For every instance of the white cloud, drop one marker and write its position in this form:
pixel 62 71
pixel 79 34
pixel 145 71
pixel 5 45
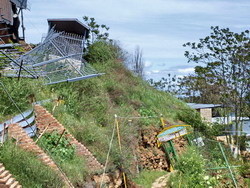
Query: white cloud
pixel 148 64
pixel 148 73
pixel 155 71
pixel 186 70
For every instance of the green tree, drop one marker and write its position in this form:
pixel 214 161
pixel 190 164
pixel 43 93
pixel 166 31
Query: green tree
pixel 200 87
pixel 170 83
pixel 225 57
pixel 97 32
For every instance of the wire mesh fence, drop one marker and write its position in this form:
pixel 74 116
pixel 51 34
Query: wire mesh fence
pixel 218 157
pixel 59 58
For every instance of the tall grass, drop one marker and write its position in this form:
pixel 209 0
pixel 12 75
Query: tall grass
pixel 26 168
pixel 23 92
pixel 90 105
pixel 146 178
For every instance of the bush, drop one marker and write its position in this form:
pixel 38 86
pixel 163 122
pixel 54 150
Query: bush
pixel 191 171
pixel 61 149
pixel 193 118
pixel 26 168
pixel 100 52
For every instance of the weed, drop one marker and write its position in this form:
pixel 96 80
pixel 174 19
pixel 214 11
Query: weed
pixel 64 154
pixel 191 171
pixel 58 146
pixel 146 177
pixel 26 168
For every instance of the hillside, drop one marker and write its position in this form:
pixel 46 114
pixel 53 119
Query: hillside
pixel 87 108
pixel 78 133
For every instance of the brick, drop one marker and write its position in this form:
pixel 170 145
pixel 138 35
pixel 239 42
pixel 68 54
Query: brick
pixel 44 119
pixel 5 179
pixel 4 174
pixel 10 181
pixel 14 184
pixel 16 132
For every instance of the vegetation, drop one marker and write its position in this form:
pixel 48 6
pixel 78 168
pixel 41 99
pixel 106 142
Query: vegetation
pixel 146 178
pixel 88 108
pixel 23 92
pixel 97 32
pixel 225 75
pixel 191 171
pixel 90 105
pixel 64 154
pixel 26 168
pixel 100 52
pixel 137 62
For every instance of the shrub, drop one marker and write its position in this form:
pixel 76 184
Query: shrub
pixel 58 146
pixel 100 52
pixel 191 171
pixel 191 117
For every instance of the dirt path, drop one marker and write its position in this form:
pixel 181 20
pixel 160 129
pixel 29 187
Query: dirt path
pixel 161 182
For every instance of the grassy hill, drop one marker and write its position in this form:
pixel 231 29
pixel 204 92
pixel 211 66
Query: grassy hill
pixel 88 107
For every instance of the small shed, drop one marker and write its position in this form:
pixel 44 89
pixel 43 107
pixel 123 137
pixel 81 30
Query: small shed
pixel 205 110
pixel 69 25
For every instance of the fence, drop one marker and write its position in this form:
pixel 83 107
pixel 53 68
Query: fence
pixel 218 157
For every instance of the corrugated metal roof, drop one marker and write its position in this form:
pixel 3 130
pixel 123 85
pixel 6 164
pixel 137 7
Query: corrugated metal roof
pixel 201 106
pixel 69 25
pixel 6 15
pixel 20 3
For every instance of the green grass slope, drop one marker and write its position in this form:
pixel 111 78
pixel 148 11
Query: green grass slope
pixel 88 107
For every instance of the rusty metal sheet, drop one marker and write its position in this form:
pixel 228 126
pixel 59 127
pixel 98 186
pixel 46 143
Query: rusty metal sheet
pixel 6 15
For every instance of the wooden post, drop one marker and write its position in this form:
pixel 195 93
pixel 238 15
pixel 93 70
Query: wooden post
pixel 120 147
pixel 42 133
pixel 60 138
pixel 162 121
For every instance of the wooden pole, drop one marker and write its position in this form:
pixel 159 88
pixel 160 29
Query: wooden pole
pixel 42 133
pixel 162 121
pixel 60 138
pixel 120 147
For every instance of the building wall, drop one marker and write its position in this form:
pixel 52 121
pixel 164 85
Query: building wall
pixel 6 15
pixel 206 113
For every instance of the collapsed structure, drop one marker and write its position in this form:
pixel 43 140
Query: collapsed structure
pixel 59 58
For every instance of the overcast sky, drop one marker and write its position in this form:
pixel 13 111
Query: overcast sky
pixel 159 27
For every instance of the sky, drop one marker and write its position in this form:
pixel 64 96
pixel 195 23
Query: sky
pixel 159 27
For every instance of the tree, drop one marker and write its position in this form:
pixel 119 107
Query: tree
pixel 169 84
pixel 97 32
pixel 225 56
pixel 200 87
pixel 138 62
